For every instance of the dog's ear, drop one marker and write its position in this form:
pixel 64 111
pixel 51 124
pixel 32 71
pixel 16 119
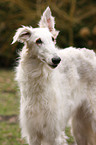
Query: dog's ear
pixel 22 34
pixel 47 20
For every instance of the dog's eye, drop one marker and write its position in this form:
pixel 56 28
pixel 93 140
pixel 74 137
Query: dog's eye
pixel 53 39
pixel 39 41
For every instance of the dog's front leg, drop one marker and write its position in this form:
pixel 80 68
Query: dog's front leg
pixel 61 140
pixel 34 141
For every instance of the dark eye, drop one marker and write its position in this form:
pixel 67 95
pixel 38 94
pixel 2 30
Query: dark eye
pixel 53 39
pixel 39 41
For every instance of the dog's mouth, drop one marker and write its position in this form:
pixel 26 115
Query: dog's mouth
pixel 53 65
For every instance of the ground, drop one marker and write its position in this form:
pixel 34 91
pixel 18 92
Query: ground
pixel 9 111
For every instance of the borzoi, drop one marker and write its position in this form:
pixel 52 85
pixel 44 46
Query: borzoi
pixel 55 85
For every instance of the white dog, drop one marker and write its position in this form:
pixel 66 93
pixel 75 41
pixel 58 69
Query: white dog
pixel 55 85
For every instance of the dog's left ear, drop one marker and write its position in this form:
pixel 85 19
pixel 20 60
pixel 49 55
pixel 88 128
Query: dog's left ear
pixel 47 20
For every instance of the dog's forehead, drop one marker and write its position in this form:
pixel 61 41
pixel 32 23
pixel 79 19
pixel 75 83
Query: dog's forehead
pixel 41 32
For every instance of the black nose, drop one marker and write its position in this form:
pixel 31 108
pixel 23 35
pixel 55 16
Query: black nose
pixel 56 60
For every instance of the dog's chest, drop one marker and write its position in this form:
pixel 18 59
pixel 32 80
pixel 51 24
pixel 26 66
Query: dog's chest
pixel 40 104
pixel 41 113
pixel 42 109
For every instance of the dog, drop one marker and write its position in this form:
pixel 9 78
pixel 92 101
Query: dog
pixel 55 85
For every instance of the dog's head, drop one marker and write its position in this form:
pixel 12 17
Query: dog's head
pixel 41 41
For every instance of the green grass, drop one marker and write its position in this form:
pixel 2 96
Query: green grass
pixel 10 134
pixel 9 105
pixel 9 100
pixel 70 140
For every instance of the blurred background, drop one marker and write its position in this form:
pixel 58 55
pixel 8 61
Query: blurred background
pixel 76 20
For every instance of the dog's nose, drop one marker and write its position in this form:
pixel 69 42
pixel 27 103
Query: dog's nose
pixel 56 60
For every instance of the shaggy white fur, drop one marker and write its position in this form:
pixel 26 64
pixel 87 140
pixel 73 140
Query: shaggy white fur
pixel 52 91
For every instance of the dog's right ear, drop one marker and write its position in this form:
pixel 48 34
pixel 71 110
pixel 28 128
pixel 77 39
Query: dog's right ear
pixel 47 21
pixel 22 34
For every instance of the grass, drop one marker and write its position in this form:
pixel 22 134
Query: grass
pixel 9 100
pixel 10 134
pixel 9 107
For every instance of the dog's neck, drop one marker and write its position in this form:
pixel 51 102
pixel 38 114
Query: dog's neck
pixel 33 67
pixel 37 74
